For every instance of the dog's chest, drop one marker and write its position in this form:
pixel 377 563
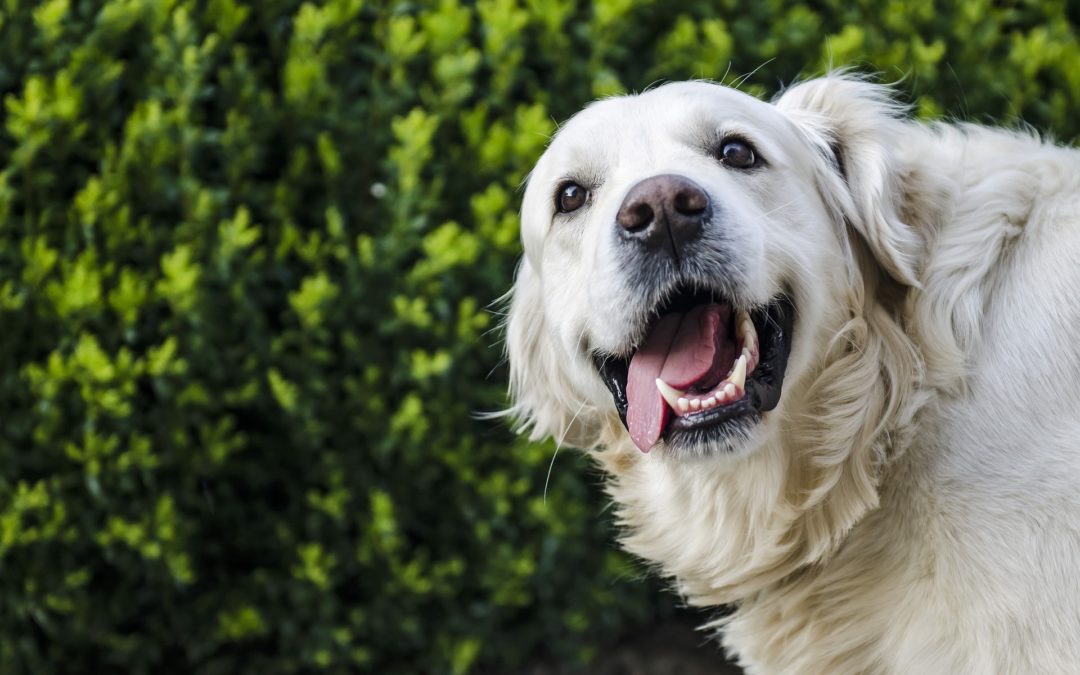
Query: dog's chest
pixel 928 590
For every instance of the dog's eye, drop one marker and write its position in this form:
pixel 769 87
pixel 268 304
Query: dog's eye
pixel 571 197
pixel 737 154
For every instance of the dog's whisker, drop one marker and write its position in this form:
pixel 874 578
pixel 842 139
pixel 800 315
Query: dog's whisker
pixel 498 364
pixel 558 446
pixel 742 80
pixel 778 208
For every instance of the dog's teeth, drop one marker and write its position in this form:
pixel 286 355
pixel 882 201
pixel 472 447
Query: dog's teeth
pixel 684 405
pixel 747 336
pixel 738 373
pixel 695 404
pixel 670 393
pixel 730 392
pixel 751 360
pixel 745 331
pixel 709 402
pixel 751 339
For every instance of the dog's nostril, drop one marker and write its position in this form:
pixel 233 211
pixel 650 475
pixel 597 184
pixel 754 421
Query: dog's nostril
pixel 691 201
pixel 663 213
pixel 635 216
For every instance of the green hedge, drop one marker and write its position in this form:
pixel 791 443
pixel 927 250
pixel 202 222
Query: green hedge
pixel 247 251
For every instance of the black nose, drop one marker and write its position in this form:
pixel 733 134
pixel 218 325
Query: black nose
pixel 663 213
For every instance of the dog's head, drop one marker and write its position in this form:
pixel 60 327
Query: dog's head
pixel 718 281
pixel 690 251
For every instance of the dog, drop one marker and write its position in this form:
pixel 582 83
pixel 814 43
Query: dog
pixel 828 358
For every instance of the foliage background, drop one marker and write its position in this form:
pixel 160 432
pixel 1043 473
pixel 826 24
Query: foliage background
pixel 246 255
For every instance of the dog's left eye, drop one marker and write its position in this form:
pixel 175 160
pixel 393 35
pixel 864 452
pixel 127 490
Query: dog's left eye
pixel 571 197
pixel 737 154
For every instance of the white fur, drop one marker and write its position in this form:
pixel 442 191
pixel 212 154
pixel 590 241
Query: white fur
pixel 913 503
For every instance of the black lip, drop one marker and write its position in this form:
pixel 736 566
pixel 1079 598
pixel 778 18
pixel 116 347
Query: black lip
pixel 774 324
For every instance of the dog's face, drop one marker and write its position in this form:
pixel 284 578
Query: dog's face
pixel 687 254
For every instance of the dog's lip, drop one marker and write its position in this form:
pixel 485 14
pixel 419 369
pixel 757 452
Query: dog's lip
pixel 714 417
pixel 774 323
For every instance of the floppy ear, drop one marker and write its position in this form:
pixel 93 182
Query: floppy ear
pixel 856 125
pixel 543 402
pixel 864 395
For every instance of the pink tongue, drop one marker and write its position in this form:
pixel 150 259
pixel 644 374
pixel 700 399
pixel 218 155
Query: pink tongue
pixel 682 349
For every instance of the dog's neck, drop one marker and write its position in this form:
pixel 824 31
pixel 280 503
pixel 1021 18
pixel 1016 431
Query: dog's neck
pixel 746 532
pixel 728 530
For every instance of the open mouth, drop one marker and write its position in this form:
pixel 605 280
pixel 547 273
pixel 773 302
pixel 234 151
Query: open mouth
pixel 705 369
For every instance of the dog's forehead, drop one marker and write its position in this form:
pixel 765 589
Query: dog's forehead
pixel 619 140
pixel 680 111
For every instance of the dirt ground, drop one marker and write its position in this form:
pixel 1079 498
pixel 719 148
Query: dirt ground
pixel 670 649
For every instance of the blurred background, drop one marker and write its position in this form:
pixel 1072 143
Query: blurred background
pixel 249 252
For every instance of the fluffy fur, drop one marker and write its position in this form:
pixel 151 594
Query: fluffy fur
pixel 913 503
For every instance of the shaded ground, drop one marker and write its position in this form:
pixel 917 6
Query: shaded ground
pixel 673 648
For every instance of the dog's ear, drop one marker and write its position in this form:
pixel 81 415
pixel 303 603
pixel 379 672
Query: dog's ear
pixel 855 125
pixel 542 398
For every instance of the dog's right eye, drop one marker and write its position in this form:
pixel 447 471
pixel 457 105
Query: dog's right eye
pixel 571 197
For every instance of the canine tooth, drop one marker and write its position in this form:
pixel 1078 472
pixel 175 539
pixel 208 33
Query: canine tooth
pixel 695 404
pixel 746 332
pixel 738 373
pixel 751 362
pixel 684 405
pixel 730 391
pixel 751 333
pixel 670 393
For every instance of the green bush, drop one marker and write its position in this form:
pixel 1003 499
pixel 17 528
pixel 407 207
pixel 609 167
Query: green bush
pixel 246 255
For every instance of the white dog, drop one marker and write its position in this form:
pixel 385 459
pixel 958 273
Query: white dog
pixel 830 359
